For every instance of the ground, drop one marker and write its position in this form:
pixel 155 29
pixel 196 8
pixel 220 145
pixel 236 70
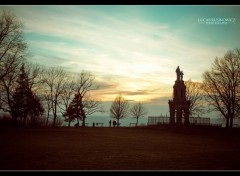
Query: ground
pixel 104 148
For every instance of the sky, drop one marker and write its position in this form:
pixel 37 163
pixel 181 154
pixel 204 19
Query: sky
pixel 131 49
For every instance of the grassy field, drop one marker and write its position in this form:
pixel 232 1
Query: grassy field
pixel 103 148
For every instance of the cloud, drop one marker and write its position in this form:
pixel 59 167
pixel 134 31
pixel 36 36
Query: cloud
pixel 161 100
pixel 129 41
pixel 128 55
pixel 103 85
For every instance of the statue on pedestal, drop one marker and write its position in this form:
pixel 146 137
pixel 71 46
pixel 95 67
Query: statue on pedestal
pixel 181 75
pixel 179 106
pixel 178 73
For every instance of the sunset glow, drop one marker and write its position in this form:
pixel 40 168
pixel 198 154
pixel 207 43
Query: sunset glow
pixel 133 50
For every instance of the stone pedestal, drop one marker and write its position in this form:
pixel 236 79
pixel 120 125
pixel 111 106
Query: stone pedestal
pixel 179 106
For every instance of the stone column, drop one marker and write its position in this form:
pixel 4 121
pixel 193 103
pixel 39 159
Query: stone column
pixel 172 116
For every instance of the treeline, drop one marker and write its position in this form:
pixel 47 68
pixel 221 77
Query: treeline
pixel 28 90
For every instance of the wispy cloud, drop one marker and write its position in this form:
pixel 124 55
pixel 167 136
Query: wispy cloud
pixel 137 56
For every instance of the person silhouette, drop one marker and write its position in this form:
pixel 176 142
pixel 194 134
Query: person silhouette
pixel 110 123
pixel 114 123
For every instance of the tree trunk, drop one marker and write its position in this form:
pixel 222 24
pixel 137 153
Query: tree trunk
pixel 55 114
pixel 83 117
pixel 83 123
pixel 227 122
pixel 47 118
pixel 69 122
pixel 117 122
pixel 231 121
pixel 54 120
pixel 137 122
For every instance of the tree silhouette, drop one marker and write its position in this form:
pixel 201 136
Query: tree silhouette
pixel 88 104
pixel 47 104
pixel 138 111
pixel 74 110
pixel 12 52
pixel 35 74
pixel 194 93
pixel 69 116
pixel 12 45
pixel 222 84
pixel 65 97
pixel 25 102
pixel 119 108
pixel 54 79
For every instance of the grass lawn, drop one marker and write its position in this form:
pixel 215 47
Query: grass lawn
pixel 104 148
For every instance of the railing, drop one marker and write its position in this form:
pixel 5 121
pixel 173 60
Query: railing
pixel 134 124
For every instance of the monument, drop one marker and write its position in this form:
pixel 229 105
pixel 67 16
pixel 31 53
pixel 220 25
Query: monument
pixel 179 105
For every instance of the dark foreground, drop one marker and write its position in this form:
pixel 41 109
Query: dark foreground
pixel 119 149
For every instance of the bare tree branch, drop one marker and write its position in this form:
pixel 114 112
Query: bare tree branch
pixel 54 80
pixel 194 93
pixel 84 101
pixel 138 111
pixel 119 108
pixel 12 45
pixel 222 84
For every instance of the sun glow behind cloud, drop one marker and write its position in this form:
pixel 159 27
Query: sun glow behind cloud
pixel 129 51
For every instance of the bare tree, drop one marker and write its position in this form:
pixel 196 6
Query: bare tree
pixel 119 108
pixel 54 79
pixel 8 83
pixel 238 102
pixel 37 82
pixel 88 103
pixel 194 93
pixel 65 97
pixel 138 110
pixel 221 84
pixel 25 102
pixel 1 95
pixel 12 53
pixel 8 86
pixel 48 103
pixel 12 45
pixel 35 74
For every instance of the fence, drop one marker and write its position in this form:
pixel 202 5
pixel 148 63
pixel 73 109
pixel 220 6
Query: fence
pixel 157 120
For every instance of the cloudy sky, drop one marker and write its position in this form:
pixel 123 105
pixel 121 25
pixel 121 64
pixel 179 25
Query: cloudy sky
pixel 131 49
